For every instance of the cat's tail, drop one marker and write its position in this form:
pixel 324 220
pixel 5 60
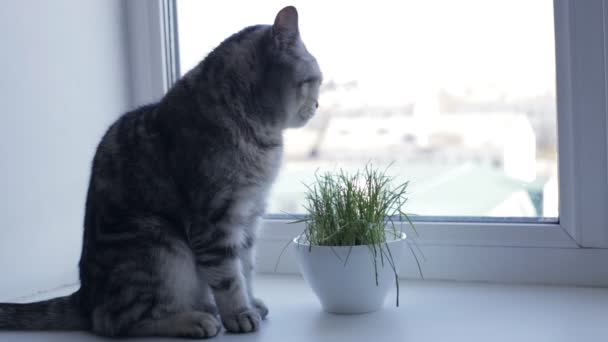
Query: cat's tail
pixel 62 313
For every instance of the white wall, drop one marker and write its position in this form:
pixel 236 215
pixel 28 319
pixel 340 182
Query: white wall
pixel 63 79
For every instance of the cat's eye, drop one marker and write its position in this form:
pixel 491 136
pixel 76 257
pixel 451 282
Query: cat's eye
pixel 308 80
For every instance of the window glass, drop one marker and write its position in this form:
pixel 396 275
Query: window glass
pixel 458 95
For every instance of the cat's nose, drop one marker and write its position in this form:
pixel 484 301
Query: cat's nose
pixel 316 104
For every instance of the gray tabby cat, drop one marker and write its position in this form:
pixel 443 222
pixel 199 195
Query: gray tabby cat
pixel 177 191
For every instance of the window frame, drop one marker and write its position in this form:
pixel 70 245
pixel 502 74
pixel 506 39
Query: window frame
pixel 572 251
pixel 153 48
pixel 581 60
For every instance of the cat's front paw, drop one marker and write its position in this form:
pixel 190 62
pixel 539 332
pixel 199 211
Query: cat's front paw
pixel 259 305
pixel 243 322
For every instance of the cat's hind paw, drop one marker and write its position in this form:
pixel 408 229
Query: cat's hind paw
pixel 244 322
pixel 200 325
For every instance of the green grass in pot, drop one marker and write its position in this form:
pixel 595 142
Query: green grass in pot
pixel 357 209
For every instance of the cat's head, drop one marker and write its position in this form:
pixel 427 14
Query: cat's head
pixel 293 74
pixel 267 70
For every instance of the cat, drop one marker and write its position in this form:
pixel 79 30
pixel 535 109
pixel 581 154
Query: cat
pixel 176 194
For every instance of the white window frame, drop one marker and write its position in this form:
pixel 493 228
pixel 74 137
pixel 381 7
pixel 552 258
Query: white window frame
pixel 153 55
pixel 573 251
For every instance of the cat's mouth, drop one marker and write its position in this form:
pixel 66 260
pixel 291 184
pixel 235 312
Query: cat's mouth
pixel 307 114
pixel 302 118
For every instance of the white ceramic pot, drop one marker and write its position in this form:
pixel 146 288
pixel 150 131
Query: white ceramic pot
pixel 345 282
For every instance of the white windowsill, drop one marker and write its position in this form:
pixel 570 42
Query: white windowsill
pixel 429 311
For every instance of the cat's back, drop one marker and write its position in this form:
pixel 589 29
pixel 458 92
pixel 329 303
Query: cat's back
pixel 130 164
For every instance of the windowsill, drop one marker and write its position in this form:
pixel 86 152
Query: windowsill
pixel 429 311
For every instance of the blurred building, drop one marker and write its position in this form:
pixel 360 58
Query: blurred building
pixel 503 140
pixel 460 162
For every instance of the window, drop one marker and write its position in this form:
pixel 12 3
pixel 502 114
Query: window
pixel 565 247
pixel 458 95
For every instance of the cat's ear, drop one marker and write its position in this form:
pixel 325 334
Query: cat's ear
pixel 285 28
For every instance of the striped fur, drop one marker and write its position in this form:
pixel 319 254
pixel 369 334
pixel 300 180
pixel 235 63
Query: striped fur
pixel 176 194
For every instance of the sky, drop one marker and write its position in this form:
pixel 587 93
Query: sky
pixel 399 50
